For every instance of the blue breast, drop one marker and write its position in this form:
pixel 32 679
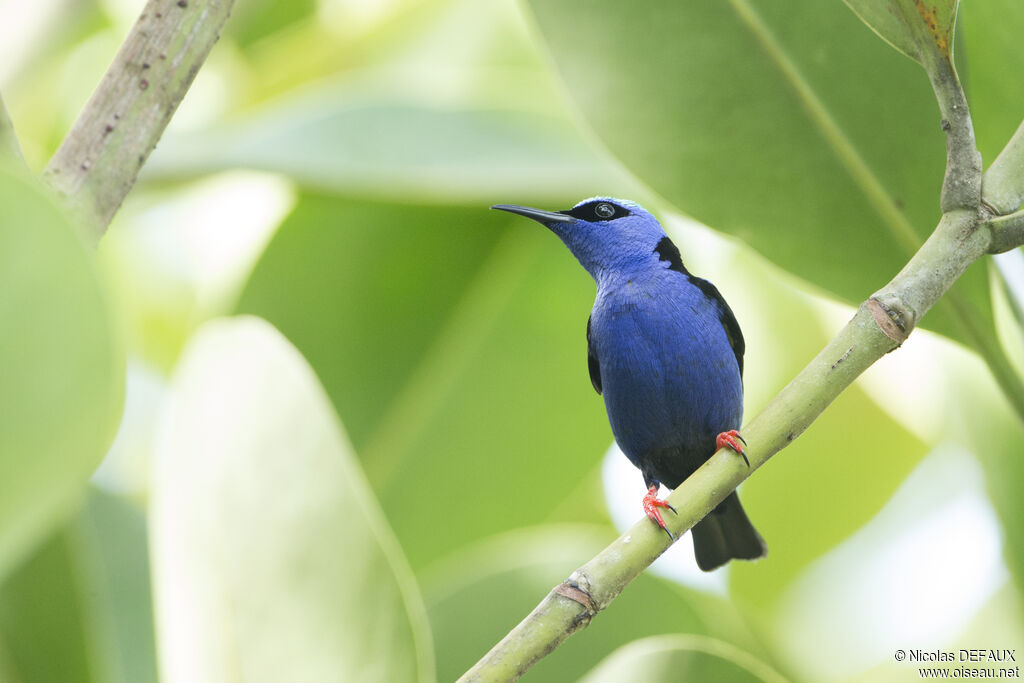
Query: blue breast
pixel 671 381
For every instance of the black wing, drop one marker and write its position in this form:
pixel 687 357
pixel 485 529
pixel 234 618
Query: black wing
pixel 668 252
pixel 592 364
pixel 726 316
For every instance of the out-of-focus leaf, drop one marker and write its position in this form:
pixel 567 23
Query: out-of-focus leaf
pixel 117 531
pixel 255 19
pixel 272 561
pixel 841 473
pixel 980 419
pixel 79 608
pixel 62 374
pixel 340 139
pixel 785 123
pixel 495 583
pixel 992 31
pixel 890 19
pixel 681 658
pixel 361 288
pixel 442 336
pixel 944 394
pixel 44 635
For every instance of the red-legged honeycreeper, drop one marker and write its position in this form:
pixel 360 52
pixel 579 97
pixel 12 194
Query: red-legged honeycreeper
pixel 666 352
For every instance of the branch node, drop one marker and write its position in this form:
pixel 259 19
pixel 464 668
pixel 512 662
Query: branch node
pixel 890 320
pixel 571 590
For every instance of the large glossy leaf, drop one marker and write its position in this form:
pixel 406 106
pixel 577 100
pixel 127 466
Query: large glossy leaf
pixel 452 340
pixel 942 393
pixel 272 561
pixel 991 33
pixel 681 658
pixel 338 137
pixel 78 608
pixel 788 124
pixel 892 21
pixel 62 373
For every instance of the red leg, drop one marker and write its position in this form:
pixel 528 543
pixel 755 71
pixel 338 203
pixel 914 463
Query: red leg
pixel 732 439
pixel 651 505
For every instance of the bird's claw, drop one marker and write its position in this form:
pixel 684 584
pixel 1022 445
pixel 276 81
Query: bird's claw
pixel 651 504
pixel 732 440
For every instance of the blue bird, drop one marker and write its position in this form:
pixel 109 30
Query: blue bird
pixel 665 351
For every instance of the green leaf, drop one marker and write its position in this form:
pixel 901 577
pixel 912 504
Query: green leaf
pixel 784 123
pixel 894 21
pixel 841 473
pixel 452 340
pixel 40 611
pixel 256 19
pixel 63 374
pixel 354 140
pixel 272 561
pixel 681 658
pixel 363 294
pixel 979 419
pixel 78 609
pixel 991 31
pixel 116 530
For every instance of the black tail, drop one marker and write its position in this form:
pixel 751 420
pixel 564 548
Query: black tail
pixel 726 534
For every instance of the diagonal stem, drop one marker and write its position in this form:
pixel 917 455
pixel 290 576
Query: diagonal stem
pixel 98 162
pixel 1003 183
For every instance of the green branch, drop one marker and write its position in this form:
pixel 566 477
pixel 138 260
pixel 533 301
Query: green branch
pixel 1007 232
pixel 961 186
pixel 1003 184
pixel 880 325
pixel 99 160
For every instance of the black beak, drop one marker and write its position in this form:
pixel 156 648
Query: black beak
pixel 539 215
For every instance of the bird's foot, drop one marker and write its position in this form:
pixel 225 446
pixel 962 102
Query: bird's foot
pixel 732 439
pixel 651 505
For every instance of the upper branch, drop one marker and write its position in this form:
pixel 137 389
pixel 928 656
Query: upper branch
pixel 1003 185
pixel 1007 232
pixel 961 187
pixel 1003 193
pixel 99 160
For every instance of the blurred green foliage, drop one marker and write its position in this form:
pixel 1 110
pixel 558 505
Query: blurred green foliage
pixel 449 340
pixel 263 525
pixel 61 392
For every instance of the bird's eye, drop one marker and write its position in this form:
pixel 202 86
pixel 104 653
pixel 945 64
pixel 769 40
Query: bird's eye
pixel 604 210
